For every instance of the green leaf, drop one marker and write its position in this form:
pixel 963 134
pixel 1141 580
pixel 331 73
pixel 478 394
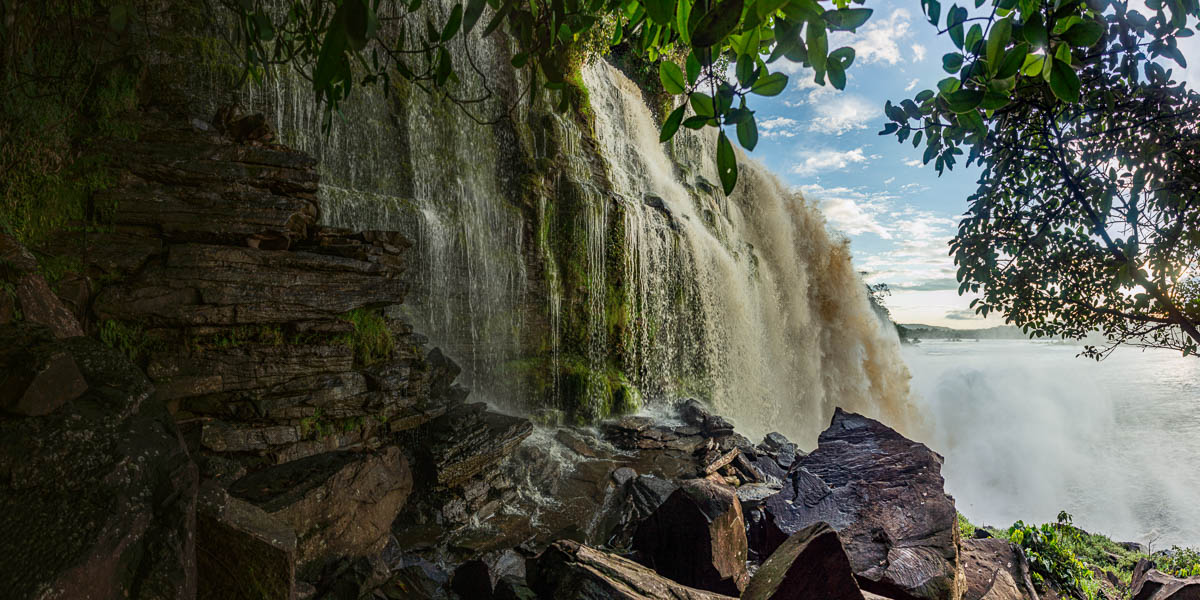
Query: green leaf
pixel 474 11
pixel 770 85
pixel 744 69
pixel 844 56
pixel 671 77
pixel 329 62
pixel 747 132
pixel 445 67
pixel 1064 82
pixel 818 46
pixel 1084 34
pixel 974 37
pixel 717 23
pixel 671 125
pixel 766 8
pixel 1035 32
pixel 954 21
pixel 696 122
pixel 683 14
pixel 963 100
pixel 356 22
pixel 1014 59
pixel 702 104
pixel 998 39
pixel 453 23
pixel 118 17
pixel 660 11
pixel 726 163
pixel 693 68
pixel 952 62
pixel 1033 65
pixel 500 15
pixel 837 75
pixel 266 30
pixel 949 84
pixel 846 19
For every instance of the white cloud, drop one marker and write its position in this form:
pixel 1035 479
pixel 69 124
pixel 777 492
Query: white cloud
pixel 842 113
pixel 918 52
pixel 916 162
pixel 878 40
pixel 889 180
pixel 778 127
pixel 851 211
pixel 812 162
pixel 912 85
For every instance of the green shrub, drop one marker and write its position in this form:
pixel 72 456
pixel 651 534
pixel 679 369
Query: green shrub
pixel 372 339
pixel 1051 561
pixel 128 339
pixel 965 529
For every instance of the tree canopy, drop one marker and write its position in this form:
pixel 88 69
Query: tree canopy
pixel 1087 211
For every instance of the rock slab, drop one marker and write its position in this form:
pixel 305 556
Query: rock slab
pixel 884 495
pixel 697 537
pixel 811 564
pixel 571 570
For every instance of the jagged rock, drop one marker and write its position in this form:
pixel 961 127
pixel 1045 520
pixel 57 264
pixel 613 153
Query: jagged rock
pixel 31 297
pixel 697 537
pixel 416 579
pixel 624 475
pixel 469 439
pixel 194 186
pixel 341 504
pixel 513 588
pixel 577 442
pixel 571 570
pixel 995 571
pixel 884 495
pixel 810 564
pixel 472 580
pixel 37 374
pixel 1151 584
pixel 241 551
pixel 97 499
pixel 207 285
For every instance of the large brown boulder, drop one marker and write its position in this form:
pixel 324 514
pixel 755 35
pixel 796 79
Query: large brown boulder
pixel 811 564
pixel 97 499
pixel 1151 584
pixel 884 495
pixel 31 298
pixel 37 373
pixel 571 570
pixel 340 504
pixel 697 537
pixel 242 553
pixel 995 571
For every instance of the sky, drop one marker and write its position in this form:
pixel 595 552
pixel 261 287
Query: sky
pixel 898 214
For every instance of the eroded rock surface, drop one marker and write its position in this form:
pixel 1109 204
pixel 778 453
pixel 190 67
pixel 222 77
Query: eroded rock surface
pixel 884 495
pixel 571 570
pixel 1151 584
pixel 995 571
pixel 697 537
pixel 97 498
pixel 810 564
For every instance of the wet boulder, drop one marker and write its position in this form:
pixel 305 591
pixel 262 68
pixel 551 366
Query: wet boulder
pixel 810 564
pixel 97 499
pixel 1151 584
pixel 884 495
pixel 995 571
pixel 241 551
pixel 37 374
pixel 697 537
pixel 340 504
pixel 568 569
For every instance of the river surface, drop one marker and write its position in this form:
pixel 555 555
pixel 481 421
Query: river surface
pixel 1028 429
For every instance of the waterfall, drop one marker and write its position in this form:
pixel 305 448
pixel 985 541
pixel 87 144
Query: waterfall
pixel 572 262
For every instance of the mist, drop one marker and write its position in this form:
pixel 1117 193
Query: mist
pixel 1027 429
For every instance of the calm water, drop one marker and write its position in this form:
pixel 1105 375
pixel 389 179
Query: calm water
pixel 1028 430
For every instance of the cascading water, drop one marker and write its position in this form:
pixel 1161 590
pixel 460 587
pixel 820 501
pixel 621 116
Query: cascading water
pixel 573 261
